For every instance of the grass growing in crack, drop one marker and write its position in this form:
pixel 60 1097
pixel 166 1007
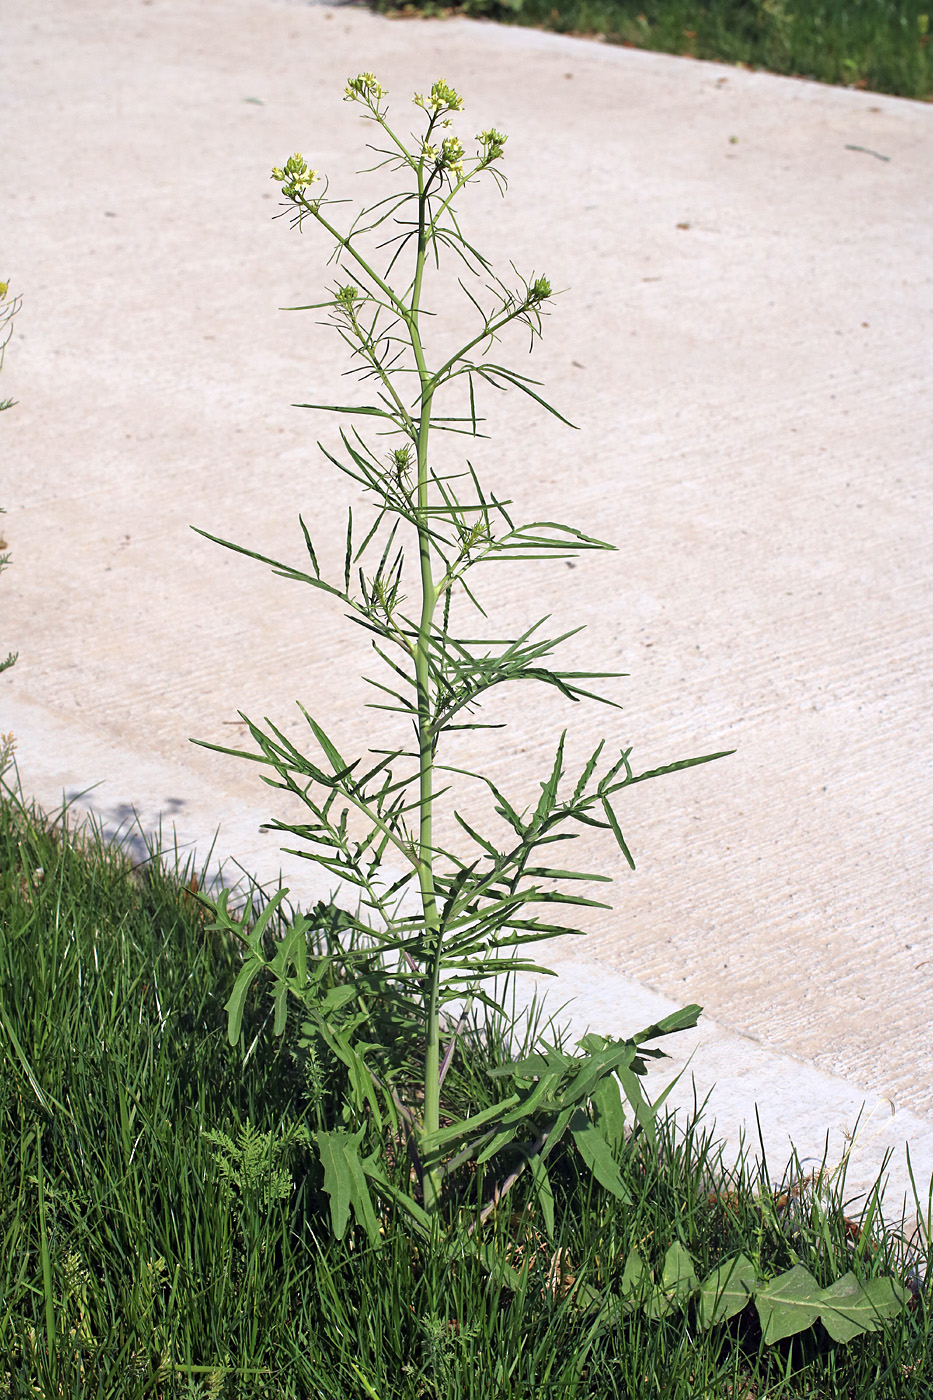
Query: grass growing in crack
pixel 141 1257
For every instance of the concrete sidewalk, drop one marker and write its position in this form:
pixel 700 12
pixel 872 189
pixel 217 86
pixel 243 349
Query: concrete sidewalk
pixel 745 344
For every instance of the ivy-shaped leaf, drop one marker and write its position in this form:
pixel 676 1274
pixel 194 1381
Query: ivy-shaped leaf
pixel 793 1301
pixel 726 1291
pixel 789 1304
pixel 634 1277
pixel 678 1282
pixel 848 1308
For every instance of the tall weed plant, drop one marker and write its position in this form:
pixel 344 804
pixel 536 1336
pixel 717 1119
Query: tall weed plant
pixel 435 927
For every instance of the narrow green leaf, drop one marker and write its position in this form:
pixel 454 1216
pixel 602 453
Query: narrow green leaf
pixel 610 1114
pixel 549 788
pixel 345 408
pixel 301 950
pixel 556 1131
pixel 353 1056
pixel 432 1142
pixel 363 1380
pixel 547 872
pixel 235 1004
pixel 726 1291
pixel 45 1253
pixel 683 1020
pixel 588 771
pixel 679 766
pixel 496 1266
pixel 334 756
pixel 542 1185
pixel 269 908
pixel 27 1068
pixel 417 1214
pixel 595 1152
pixel 282 570
pixel 501 1139
pixel 474 836
pixel 552 1061
pixel 617 832
pixel 287 951
pixel 310 547
pixel 642 1109
pixel 280 1004
pixel 678 1282
pixel 545 1087
pixel 613 1057
pixel 337 997
pixel 359 1191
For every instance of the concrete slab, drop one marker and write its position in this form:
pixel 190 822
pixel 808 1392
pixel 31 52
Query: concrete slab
pixel 744 344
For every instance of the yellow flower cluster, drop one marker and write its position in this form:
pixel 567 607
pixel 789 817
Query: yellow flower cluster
pixel 493 144
pixel 295 176
pixel 366 86
pixel 442 99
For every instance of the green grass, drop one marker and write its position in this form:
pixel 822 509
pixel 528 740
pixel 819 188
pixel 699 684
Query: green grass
pixel 882 45
pixel 133 1265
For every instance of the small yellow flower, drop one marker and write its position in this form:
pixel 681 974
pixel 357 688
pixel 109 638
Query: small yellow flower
pixel 444 96
pixel 493 144
pixel 442 99
pixel 295 177
pixel 451 157
pixel 366 87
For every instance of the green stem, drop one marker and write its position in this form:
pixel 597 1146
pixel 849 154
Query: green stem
pixel 429 596
pixel 345 242
pixel 366 341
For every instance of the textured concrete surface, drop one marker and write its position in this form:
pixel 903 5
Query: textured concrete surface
pixel 744 342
